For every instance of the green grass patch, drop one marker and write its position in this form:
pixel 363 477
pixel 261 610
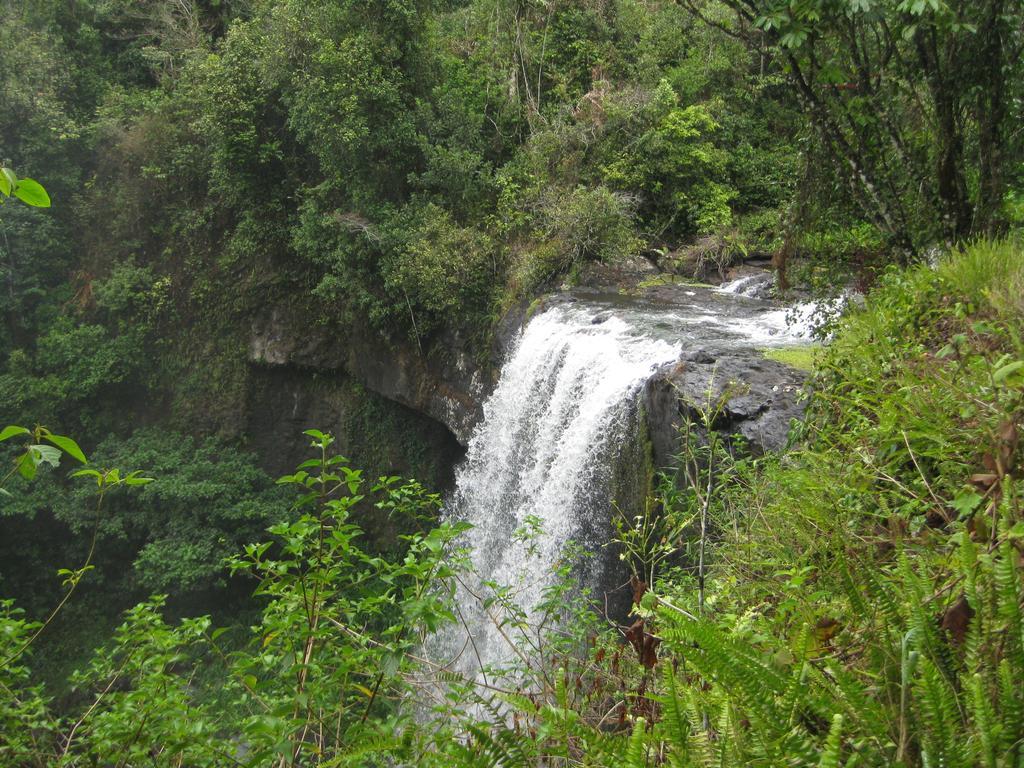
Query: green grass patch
pixel 801 357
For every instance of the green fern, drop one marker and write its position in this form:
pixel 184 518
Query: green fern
pixel 1008 597
pixel 1011 712
pixel 636 753
pixel 938 717
pixel 861 708
pixel 984 721
pixel 833 744
pixel 674 727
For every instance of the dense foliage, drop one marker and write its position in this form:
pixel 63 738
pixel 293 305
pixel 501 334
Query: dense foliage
pixel 400 173
pixel 857 601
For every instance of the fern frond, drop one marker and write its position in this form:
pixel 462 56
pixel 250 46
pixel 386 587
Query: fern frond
pixel 700 749
pixel 938 717
pixel 833 744
pixel 984 720
pixel 1011 713
pixel 733 664
pixel 496 750
pixel 636 753
pixel 861 707
pixel 674 726
pixel 1008 600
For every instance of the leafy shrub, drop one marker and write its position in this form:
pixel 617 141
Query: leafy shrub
pixel 125 289
pixel 586 224
pixel 72 364
pixel 859 245
pixel 316 679
pixel 24 713
pixel 591 225
pixel 676 169
pixel 440 268
pixel 209 500
pixel 172 535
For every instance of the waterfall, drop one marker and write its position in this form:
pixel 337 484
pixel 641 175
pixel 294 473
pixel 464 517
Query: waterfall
pixel 753 286
pixel 541 458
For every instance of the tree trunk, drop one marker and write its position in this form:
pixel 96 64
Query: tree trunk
pixel 991 115
pixel 954 202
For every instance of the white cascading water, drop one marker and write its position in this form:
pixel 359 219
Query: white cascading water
pixel 539 458
pixel 749 285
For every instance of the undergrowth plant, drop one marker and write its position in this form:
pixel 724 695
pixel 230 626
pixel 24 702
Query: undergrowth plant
pixel 319 679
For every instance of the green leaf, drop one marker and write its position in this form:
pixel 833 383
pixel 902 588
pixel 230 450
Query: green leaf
pixel 966 502
pixel 32 193
pixel 45 454
pixel 67 445
pixel 10 180
pixel 26 466
pixel 1006 371
pixel 10 431
pixel 97 476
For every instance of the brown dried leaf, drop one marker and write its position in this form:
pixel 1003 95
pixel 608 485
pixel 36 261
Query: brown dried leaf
pixel 639 587
pixel 645 644
pixel 826 628
pixel 984 480
pixel 957 619
pixel 1008 444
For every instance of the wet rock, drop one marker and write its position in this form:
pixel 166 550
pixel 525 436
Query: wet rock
pixel 698 356
pixel 760 401
pixel 751 282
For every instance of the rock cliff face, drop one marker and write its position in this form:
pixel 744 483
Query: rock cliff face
pixel 443 390
pixel 447 385
pixel 378 435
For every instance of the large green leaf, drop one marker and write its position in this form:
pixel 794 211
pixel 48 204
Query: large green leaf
pixel 27 465
pixel 10 431
pixel 8 180
pixel 67 445
pixel 32 193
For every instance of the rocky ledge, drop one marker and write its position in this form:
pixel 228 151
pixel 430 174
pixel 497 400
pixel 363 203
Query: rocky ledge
pixel 721 335
pixel 446 384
